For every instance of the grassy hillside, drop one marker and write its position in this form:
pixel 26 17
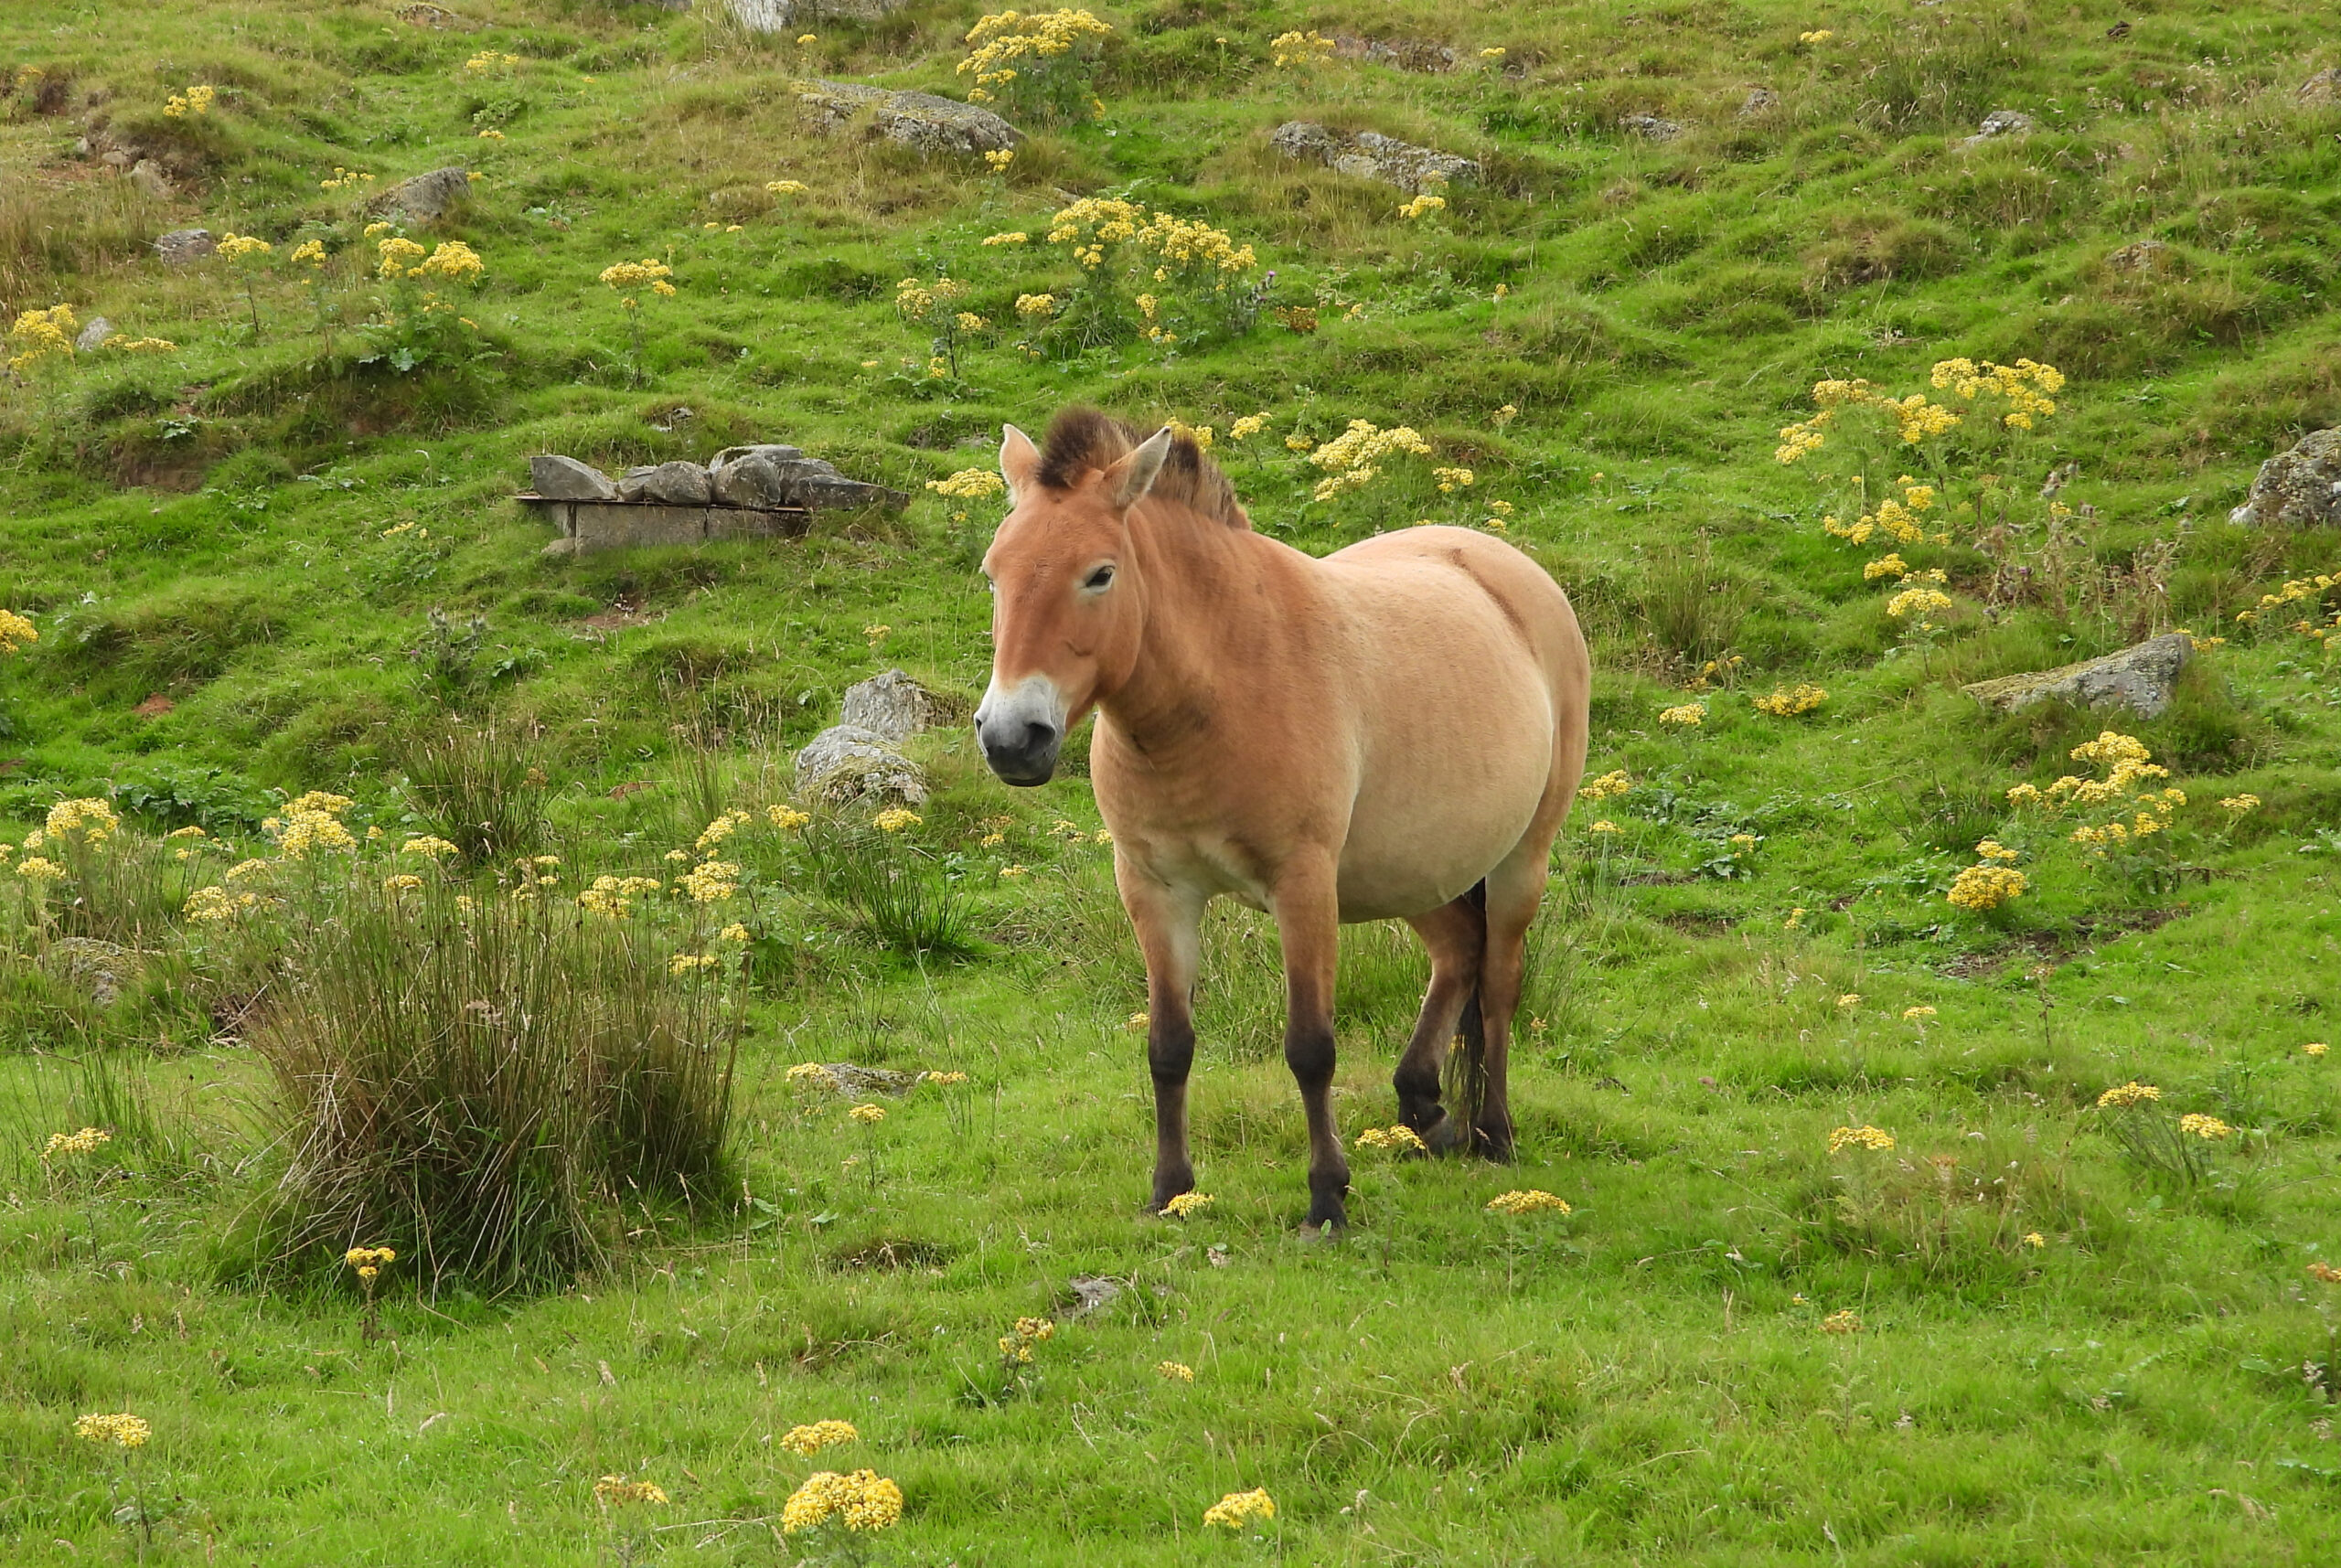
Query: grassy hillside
pixel 272 550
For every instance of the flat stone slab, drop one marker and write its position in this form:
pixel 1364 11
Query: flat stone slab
pixel 1371 155
pixel 920 121
pixel 588 528
pixel 2142 677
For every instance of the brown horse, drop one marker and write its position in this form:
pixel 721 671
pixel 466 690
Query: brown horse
pixel 1394 731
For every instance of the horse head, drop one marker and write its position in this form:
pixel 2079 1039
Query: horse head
pixel 1066 612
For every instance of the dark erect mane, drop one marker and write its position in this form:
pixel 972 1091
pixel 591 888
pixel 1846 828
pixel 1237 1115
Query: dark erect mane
pixel 1082 439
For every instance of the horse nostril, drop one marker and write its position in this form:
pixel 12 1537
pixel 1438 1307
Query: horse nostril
pixel 1038 738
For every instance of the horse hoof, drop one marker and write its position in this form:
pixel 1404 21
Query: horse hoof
pixel 1444 1135
pixel 1333 1229
pixel 1493 1145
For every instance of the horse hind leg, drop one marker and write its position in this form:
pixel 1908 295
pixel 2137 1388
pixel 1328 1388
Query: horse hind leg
pixel 1515 890
pixel 1455 933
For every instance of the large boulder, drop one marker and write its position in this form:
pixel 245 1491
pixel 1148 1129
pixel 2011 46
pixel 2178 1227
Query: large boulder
pixel 2300 488
pixel 93 336
pixel 559 479
pixel 1371 155
pixel 920 121
pixel 847 762
pixel 669 484
pixel 2141 678
pixel 425 198
pixel 893 706
pixel 790 16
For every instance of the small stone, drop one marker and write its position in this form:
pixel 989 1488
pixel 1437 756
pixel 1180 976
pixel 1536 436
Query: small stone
pixel 566 479
pixel 152 182
pixel 1760 100
pixel 2300 488
pixel 184 247
pixel 893 707
pixel 1650 127
pixel 423 15
pixel 2141 256
pixel 1370 156
pixel 115 158
pixel 1402 54
pixel 2142 677
pixel 920 121
pixel 1092 1292
pixel 427 198
pixel 93 336
pixel 2002 122
pixel 847 762
pixel 2325 87
pixel 672 484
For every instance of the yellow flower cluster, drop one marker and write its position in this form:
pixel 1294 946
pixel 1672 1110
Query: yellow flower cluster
pixel 810 1440
pixel 970 484
pixel 1993 849
pixel 2121 1096
pixel 1841 1322
pixel 2026 387
pixel 865 1501
pixel 122 1431
pixel 1187 1205
pixel 1689 715
pixel 917 302
pixel 1923 603
pixel 811 1076
pixel 1875 1138
pixel 1886 566
pixel 2325 1271
pixel 17 632
pixel 649 272
pixel 1400 1138
pixel 1191 245
pixel 90 820
pixel 946 1079
pixel 1033 307
pixel 1818 36
pixel 1787 703
pixel 710 881
pixel 215 905
pixel 616 1491
pixel 425 844
pixel 1008 37
pixel 195 103
pixel 401 882
pixel 1174 1371
pixel 89 1140
pixel 2237 805
pixel 1292 50
pixel 1453 479
pixel 2315 1048
pixel 1531 1201
pixel 1248 426
pixel 894 819
pixel 2210 1130
pixel 488 62
pixel 238 246
pixel 1422 205
pixel 1613 782
pixel 41 335
pixel 342 179
pixel 1237 1509
pixel 1350 456
pixel 38 869
pixel 1986 887
pixel 868 1115
pixel 611 898
pixel 788 818
pixel 1913 1015
pixel 367 1260
pixel 691 963
pixel 312 822
pixel 2293 592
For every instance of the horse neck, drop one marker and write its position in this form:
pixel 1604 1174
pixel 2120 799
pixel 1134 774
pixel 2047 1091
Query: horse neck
pixel 1192 573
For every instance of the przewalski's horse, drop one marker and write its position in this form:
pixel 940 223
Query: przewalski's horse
pixel 1394 731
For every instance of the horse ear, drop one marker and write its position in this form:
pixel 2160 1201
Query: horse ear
pixel 1128 480
pixel 1019 460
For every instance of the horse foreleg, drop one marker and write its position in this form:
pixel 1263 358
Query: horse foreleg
pixel 1167 921
pixel 1308 925
pixel 1455 933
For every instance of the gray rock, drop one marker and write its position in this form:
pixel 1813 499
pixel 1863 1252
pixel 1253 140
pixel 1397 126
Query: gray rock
pixel 858 1082
pixel 100 968
pixel 152 182
pixel 1093 1293
pixel 2141 256
pixel 756 482
pixel 673 484
pixel 1402 54
pixel 427 198
pixel 184 247
pixel 2325 87
pixel 436 17
pixel 2141 678
pixel 1760 101
pixel 1371 155
pixel 893 707
pixel 566 479
pixel 920 121
pixel 93 336
pixel 773 450
pixel 789 15
pixel 2300 488
pixel 2002 122
pixel 1650 127
pixel 848 763
pixel 823 489
pixel 115 158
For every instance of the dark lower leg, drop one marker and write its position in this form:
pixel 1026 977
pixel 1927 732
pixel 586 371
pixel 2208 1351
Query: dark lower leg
pixel 1454 934
pixel 1308 1051
pixel 1169 1055
pixel 1307 923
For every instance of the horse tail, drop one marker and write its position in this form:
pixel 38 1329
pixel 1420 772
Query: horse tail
pixel 1466 1086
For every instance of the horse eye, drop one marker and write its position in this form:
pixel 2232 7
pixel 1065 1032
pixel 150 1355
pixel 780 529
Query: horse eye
pixel 1099 578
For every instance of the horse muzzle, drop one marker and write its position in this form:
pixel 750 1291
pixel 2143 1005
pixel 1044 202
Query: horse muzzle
pixel 1021 730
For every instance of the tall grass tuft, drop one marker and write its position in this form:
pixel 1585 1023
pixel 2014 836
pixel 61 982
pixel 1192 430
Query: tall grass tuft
pixel 481 788
pixel 900 894
pixel 482 1080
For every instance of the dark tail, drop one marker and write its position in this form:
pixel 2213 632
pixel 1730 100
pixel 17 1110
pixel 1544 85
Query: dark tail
pixel 1466 1078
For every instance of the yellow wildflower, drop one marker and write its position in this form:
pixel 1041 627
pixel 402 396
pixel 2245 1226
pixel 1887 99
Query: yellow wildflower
pixel 616 1491
pixel 1400 1137
pixel 1237 1509
pixel 894 819
pixel 2124 1095
pixel 810 1440
pixel 861 1501
pixel 868 1115
pixel 1874 1138
pixel 1174 1371
pixel 123 1430
pixel 2209 1128
pixel 1532 1200
pixel 1841 1322
pixel 1187 1205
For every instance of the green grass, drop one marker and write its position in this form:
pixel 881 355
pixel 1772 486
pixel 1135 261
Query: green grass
pixel 311 560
